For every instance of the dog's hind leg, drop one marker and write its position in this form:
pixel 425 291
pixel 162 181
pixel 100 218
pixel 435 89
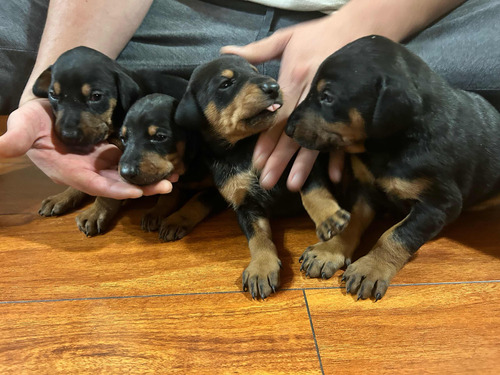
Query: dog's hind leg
pixel 181 222
pixel 167 203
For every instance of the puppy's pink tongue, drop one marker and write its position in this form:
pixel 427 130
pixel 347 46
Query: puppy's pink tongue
pixel 273 107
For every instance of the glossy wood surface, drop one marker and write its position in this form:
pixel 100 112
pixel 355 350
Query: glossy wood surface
pixel 126 303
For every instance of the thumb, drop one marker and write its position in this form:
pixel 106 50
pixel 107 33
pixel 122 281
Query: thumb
pixel 23 128
pixel 262 50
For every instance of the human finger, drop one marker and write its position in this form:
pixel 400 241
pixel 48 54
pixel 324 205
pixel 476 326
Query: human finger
pixel 24 126
pixel 278 161
pixel 336 165
pixel 301 168
pixel 262 50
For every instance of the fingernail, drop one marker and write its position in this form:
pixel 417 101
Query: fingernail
pixel 259 162
pixel 164 187
pixel 265 181
pixel 336 176
pixel 296 181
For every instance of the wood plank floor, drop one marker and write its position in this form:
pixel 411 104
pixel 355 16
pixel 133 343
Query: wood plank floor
pixel 126 303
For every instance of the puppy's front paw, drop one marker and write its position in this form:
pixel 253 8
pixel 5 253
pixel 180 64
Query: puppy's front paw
pixel 321 260
pixel 368 277
pixel 174 228
pixel 333 225
pixel 262 276
pixel 58 204
pixel 150 222
pixel 93 221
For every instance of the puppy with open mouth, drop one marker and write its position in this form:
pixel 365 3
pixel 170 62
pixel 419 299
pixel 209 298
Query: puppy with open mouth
pixel 230 103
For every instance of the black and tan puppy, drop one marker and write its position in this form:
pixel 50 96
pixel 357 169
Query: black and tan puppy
pixel 90 94
pixel 418 147
pixel 154 148
pixel 230 103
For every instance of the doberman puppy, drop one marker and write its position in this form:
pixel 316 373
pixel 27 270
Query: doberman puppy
pixel 417 147
pixel 90 94
pixel 230 103
pixel 154 148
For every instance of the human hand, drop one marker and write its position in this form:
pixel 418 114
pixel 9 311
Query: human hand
pixel 29 130
pixel 302 48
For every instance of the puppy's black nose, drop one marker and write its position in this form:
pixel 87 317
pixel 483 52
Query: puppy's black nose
pixel 271 88
pixel 128 171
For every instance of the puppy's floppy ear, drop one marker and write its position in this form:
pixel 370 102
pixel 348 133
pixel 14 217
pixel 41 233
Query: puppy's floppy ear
pixel 397 103
pixel 128 89
pixel 42 83
pixel 189 114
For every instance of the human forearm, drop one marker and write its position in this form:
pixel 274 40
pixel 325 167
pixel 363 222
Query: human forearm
pixel 395 19
pixel 104 25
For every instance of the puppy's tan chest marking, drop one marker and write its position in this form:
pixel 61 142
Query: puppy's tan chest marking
pixel 237 187
pixel 395 186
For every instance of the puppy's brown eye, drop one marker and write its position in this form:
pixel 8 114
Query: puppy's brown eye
pixel 123 139
pixel 227 83
pixel 159 137
pixel 326 97
pixel 95 97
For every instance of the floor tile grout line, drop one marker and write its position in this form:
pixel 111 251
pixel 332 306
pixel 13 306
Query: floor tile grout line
pixel 313 332
pixel 230 292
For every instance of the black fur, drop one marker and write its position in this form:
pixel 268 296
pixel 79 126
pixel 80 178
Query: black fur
pixel 149 157
pixel 417 130
pixel 107 81
pixel 231 103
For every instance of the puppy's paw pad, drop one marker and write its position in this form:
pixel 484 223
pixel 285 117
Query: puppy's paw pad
pixel 333 225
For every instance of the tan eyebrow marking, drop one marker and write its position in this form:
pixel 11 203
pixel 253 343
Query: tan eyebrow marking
pixel 152 129
pixel 228 73
pixel 321 85
pixel 86 89
pixel 57 88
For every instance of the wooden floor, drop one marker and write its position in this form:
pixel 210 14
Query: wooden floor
pixel 125 303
